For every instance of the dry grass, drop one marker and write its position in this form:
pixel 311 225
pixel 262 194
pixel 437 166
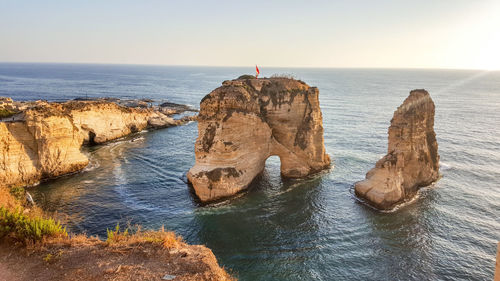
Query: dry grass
pixel 135 236
pixel 247 76
pixel 117 238
pixel 12 200
pixel 283 76
pixel 7 200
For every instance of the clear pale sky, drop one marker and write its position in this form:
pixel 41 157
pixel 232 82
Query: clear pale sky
pixel 358 33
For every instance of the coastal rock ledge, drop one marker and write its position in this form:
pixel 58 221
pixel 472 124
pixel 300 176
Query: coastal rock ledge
pixel 412 160
pixel 244 122
pixel 42 140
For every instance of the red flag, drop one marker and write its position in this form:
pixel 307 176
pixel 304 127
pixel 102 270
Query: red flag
pixel 257 71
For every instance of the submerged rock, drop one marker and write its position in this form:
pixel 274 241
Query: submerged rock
pixel 246 121
pixel 174 108
pixel 412 160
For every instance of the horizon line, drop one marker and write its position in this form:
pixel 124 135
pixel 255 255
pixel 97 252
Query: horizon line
pixel 243 66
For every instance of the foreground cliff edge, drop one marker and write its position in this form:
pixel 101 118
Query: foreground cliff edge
pixel 247 120
pixel 41 140
pixel 35 247
pixel 412 159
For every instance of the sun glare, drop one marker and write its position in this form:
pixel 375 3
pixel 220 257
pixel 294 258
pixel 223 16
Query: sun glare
pixel 488 26
pixel 489 55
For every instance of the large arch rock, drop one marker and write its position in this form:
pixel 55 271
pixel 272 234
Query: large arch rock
pixel 244 122
pixel 412 159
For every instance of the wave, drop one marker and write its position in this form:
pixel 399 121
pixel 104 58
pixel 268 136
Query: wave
pixel 93 164
pixel 399 206
pixel 137 139
pixel 444 166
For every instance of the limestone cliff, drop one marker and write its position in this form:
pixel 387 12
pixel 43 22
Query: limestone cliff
pixel 44 139
pixel 43 145
pixel 244 122
pixel 102 121
pixel 412 160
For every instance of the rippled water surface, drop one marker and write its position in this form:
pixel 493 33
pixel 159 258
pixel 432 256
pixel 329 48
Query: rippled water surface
pixel 310 229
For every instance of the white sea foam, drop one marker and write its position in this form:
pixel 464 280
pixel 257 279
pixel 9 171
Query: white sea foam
pixel 398 206
pixel 137 139
pixel 444 166
pixel 93 164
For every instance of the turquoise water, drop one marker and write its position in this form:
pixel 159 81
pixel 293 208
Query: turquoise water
pixel 309 229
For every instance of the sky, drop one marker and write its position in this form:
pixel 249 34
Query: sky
pixel 456 34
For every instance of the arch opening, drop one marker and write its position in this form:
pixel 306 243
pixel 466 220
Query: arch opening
pixel 92 136
pixel 272 168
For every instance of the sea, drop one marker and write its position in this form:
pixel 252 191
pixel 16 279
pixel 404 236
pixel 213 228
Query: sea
pixel 308 229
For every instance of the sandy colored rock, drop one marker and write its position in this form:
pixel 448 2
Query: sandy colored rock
pixel 5 102
pixel 44 140
pixel 246 121
pixel 412 159
pixel 497 264
pixel 41 146
pixel 101 121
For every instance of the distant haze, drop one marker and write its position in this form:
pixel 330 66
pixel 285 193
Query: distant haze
pixel 360 33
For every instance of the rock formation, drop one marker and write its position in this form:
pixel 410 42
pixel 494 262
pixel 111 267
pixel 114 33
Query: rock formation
pixel 6 103
pixel 412 159
pixel 244 122
pixel 44 140
pixel 497 264
pixel 101 121
pixel 43 145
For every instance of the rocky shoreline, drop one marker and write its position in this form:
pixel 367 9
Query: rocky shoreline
pixel 41 140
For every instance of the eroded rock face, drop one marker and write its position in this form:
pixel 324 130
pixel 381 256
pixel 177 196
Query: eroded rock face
pixel 44 140
pixel 99 121
pixel 246 121
pixel 44 144
pixel 412 160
